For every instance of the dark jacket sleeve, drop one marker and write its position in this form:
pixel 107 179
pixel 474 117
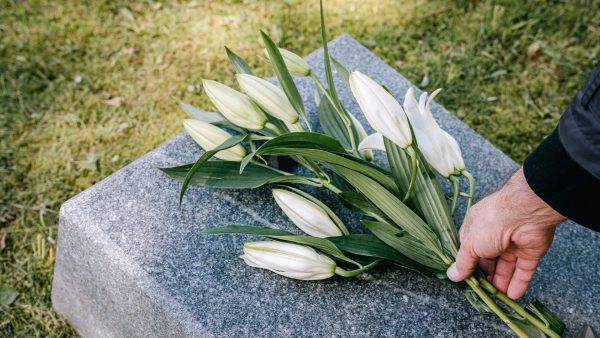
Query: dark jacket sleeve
pixel 564 170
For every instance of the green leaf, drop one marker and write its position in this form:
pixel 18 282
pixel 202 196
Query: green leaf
pixel 213 118
pixel 301 140
pixel 341 183
pixel 371 246
pixel 246 160
pixel 225 175
pixel 360 203
pixel 343 160
pixel 427 197
pixel 320 244
pixel 476 302
pixel 392 207
pixel 290 179
pixel 545 315
pixel 342 71
pixel 332 123
pixel 283 75
pixel 240 66
pixel 230 142
pixel 328 74
pixel 406 244
pixel 529 329
pixel 7 295
pixel 200 115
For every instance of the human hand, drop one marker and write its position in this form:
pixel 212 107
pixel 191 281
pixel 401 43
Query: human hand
pixel 507 233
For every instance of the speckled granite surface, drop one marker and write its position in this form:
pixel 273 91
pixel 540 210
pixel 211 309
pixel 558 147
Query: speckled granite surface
pixel 130 262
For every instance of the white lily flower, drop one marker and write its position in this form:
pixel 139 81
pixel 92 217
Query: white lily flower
pixel 235 106
pixel 372 142
pixel 269 97
pixel 306 215
pixel 454 152
pixel 294 63
pixel 209 137
pixel 381 109
pixel 289 260
pixel 440 149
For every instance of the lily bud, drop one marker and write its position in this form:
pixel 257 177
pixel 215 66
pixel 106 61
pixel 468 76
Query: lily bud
pixel 269 97
pixel 235 106
pixel 294 63
pixel 381 109
pixel 209 137
pixel 289 260
pixel 307 215
pixel 440 149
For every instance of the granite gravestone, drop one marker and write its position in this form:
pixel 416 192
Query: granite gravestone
pixel 130 262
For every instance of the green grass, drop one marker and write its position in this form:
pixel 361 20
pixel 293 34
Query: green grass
pixel 508 70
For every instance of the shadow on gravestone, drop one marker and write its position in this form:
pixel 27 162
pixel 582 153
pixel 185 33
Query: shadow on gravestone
pixel 130 261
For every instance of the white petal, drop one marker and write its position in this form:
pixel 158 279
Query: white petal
pixel 373 141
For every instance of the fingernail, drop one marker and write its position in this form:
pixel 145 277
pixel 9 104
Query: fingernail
pixel 452 272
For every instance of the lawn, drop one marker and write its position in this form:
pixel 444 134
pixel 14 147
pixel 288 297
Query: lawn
pixel 87 88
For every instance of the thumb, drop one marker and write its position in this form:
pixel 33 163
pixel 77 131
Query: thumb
pixel 466 261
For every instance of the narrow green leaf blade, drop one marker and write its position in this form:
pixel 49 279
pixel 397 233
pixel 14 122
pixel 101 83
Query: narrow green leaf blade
pixel 225 175
pixel 332 123
pixel 326 60
pixel 337 159
pixel 391 206
pixel 427 197
pixel 361 204
pixel 406 244
pixel 342 71
pixel 301 140
pixel 200 115
pixel 283 75
pixel 230 142
pixel 547 316
pixel 371 246
pixel 240 66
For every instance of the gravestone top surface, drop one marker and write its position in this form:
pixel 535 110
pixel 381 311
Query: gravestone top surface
pixel 130 261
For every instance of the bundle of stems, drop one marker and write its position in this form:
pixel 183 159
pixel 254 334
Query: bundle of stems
pixel 407 216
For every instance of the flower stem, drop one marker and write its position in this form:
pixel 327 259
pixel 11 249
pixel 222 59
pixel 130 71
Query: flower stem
pixel 516 307
pixel 413 170
pixel 354 273
pixel 494 307
pixel 471 187
pixel 454 181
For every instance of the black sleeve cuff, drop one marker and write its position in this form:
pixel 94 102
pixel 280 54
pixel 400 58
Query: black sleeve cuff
pixel 564 185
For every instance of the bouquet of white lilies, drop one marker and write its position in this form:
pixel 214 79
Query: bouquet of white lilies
pixel 407 216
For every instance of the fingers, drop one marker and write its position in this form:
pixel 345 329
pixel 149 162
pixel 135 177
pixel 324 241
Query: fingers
pixel 505 269
pixel 524 271
pixel 489 267
pixel 465 264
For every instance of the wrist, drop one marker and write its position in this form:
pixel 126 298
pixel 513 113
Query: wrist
pixel 527 207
